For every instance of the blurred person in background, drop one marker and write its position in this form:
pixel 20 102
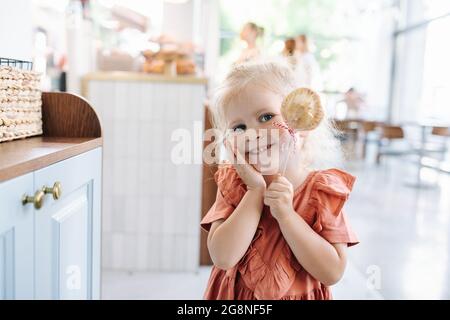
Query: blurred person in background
pixel 355 103
pixel 290 53
pixel 250 34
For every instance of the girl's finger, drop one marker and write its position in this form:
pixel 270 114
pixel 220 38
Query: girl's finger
pixel 236 154
pixel 241 160
pixel 274 186
pixel 272 194
pixel 230 152
pixel 282 179
pixel 268 202
pixel 278 184
pixel 243 163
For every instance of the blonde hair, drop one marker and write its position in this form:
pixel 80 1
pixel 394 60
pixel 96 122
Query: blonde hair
pixel 256 28
pixel 321 148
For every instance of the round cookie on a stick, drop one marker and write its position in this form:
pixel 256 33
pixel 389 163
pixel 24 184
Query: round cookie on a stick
pixel 302 110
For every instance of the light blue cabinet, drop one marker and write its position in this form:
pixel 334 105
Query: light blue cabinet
pixel 53 252
pixel 16 240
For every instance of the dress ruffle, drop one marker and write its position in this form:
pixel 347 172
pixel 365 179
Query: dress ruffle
pixel 221 285
pixel 331 186
pixel 269 282
pixel 230 184
pixel 322 293
pixel 329 192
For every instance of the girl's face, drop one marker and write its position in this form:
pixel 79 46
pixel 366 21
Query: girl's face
pixel 300 44
pixel 252 130
pixel 248 34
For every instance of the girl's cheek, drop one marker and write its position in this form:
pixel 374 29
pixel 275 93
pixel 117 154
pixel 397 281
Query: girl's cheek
pixel 285 138
pixel 238 143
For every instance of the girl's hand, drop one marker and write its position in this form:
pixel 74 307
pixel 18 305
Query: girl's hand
pixel 249 175
pixel 279 197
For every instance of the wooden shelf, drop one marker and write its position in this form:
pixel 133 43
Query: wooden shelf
pixel 71 127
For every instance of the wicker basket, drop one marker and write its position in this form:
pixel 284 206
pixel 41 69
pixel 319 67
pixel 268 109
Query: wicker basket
pixel 20 104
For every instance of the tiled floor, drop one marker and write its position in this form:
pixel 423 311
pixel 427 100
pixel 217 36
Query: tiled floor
pixel 404 231
pixel 403 254
pixel 182 286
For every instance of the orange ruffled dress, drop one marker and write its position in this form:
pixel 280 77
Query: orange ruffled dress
pixel 269 269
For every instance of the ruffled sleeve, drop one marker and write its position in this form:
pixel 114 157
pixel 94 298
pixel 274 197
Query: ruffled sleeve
pixel 330 191
pixel 230 191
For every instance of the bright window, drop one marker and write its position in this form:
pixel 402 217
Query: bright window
pixel 422 82
pixel 346 39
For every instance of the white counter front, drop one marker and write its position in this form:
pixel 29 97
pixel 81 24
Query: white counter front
pixel 151 207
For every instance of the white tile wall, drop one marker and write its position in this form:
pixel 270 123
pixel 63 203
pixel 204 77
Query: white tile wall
pixel 151 207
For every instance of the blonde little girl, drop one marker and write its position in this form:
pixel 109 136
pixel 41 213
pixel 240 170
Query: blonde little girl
pixel 277 230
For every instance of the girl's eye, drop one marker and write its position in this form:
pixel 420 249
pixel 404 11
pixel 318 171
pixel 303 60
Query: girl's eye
pixel 266 118
pixel 240 128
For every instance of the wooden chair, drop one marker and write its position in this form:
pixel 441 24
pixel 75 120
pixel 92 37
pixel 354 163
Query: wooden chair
pixel 346 127
pixel 369 126
pixel 440 147
pixel 347 130
pixel 367 132
pixel 438 163
pixel 348 135
pixel 441 131
pixel 388 134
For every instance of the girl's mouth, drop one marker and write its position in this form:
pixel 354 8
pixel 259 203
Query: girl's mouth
pixel 261 149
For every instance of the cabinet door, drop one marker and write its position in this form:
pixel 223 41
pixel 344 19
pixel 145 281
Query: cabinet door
pixel 16 239
pixel 67 230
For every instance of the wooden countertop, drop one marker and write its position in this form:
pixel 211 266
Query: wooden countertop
pixel 71 127
pixel 143 77
pixel 23 156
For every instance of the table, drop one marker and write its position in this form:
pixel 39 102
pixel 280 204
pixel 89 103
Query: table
pixel 424 126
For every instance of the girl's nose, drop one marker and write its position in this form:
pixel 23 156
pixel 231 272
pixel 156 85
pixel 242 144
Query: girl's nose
pixel 253 134
pixel 249 138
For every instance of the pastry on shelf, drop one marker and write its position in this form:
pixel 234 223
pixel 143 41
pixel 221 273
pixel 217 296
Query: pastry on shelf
pixel 170 60
pixel 186 67
pixel 168 55
pixel 154 66
pixel 149 55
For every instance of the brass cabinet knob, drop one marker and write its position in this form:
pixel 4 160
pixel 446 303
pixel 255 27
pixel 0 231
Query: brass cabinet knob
pixel 37 200
pixel 55 190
